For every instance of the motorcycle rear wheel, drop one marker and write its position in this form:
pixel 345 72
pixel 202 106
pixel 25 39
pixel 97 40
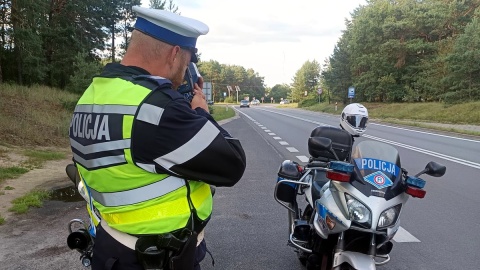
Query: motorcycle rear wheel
pixel 302 257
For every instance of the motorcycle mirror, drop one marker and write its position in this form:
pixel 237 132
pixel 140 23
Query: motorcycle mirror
pixel 321 144
pixel 72 173
pixel 433 169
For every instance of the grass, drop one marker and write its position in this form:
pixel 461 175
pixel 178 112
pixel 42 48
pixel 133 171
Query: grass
pixel 466 113
pixel 222 112
pixel 11 172
pixel 417 114
pixel 36 158
pixel 9 188
pixel 34 198
pixel 36 115
pixel 3 152
pixel 2 220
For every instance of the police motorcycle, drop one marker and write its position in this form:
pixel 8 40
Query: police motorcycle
pixel 352 199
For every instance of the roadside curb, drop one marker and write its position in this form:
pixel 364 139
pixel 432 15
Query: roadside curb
pixel 224 121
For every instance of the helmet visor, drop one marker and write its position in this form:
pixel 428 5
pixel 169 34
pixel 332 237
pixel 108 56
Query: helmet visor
pixel 357 121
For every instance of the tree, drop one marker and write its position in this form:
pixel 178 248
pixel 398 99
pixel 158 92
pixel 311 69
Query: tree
pixel 163 5
pixel 464 65
pixel 280 91
pixel 211 71
pixel 306 80
pixel 126 22
pixel 336 75
pixel 84 72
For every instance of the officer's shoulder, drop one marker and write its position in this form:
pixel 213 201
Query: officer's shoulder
pixel 152 82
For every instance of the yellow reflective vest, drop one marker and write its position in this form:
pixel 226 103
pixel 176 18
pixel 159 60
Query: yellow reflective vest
pixel 129 198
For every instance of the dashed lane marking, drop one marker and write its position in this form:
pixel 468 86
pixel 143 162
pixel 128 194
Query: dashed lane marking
pixel 403 236
pixel 303 158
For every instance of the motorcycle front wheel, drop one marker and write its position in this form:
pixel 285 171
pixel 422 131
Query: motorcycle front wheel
pixel 344 266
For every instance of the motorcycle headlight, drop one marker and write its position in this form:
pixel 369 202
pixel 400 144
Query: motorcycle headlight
pixel 389 216
pixel 358 212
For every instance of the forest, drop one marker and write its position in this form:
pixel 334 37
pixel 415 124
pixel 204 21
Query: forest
pixel 390 51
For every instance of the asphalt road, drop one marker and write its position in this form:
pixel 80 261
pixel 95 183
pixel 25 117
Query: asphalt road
pixel 248 229
pixel 439 231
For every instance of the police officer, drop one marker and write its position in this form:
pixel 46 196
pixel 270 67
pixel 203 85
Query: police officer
pixel 147 155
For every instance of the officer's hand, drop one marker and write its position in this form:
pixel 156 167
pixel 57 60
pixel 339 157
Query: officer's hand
pixel 199 100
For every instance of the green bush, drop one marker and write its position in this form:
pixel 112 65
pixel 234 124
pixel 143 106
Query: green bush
pixel 308 102
pixel 229 100
pixel 84 72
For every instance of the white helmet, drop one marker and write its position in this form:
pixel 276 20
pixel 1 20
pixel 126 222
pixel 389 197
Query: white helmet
pixel 354 119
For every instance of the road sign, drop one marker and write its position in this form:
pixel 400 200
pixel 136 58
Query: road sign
pixel 319 91
pixel 351 92
pixel 207 90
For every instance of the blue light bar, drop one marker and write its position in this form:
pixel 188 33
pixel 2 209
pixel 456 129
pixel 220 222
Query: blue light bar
pixel 286 183
pixel 416 182
pixel 341 166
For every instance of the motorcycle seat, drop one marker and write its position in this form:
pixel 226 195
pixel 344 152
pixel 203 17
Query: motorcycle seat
pixel 317 163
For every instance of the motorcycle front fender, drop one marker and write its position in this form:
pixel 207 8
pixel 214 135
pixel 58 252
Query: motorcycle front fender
pixel 354 259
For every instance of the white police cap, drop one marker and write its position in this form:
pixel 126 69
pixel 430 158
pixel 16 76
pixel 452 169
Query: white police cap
pixel 170 28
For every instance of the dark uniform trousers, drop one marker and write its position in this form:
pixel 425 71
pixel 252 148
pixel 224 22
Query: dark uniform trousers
pixel 109 254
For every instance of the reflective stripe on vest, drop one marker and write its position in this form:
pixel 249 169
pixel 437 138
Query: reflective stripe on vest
pixel 107 109
pixel 140 194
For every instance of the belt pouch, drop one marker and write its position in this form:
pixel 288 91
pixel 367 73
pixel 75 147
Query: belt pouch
pixel 149 255
pixel 186 258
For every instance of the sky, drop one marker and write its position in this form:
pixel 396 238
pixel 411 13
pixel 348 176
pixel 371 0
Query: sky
pixel 273 37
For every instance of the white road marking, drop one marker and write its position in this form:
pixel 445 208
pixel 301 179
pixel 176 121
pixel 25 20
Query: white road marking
pixel 428 133
pixel 283 143
pixel 427 152
pixel 271 133
pixel 292 149
pixel 403 236
pixel 267 130
pixel 413 148
pixel 303 158
pixel 263 127
pixel 277 138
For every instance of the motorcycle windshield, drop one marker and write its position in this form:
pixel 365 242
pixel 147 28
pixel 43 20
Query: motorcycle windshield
pixel 377 169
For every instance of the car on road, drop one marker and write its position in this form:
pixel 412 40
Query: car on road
pixel 255 102
pixel 285 101
pixel 244 103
